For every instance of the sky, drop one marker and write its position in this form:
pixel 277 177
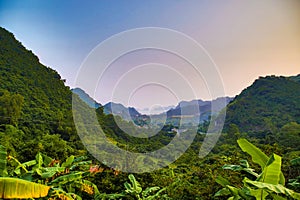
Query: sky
pixel 243 39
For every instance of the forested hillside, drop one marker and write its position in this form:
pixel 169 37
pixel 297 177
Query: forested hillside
pixel 268 104
pixel 35 105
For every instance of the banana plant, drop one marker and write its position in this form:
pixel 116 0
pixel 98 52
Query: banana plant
pixel 135 190
pixel 295 183
pixel 61 181
pixel 18 188
pixel 15 187
pixel 268 184
pixel 68 179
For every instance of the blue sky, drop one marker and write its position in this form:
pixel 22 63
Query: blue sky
pixel 246 39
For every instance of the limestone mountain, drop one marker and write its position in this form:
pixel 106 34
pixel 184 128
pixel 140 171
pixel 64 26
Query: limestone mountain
pixel 268 104
pixel 128 114
pixel 35 104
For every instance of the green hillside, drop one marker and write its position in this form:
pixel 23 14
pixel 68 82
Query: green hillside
pixel 34 102
pixel 36 108
pixel 268 104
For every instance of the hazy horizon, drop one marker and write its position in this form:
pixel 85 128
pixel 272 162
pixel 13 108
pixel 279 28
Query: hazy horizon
pixel 245 39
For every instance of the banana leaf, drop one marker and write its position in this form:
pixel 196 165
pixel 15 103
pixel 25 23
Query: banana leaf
pixel 68 162
pixel 61 180
pixel 82 163
pixel 257 155
pixel 278 189
pixel 271 173
pixel 222 181
pixel 49 172
pixel 18 188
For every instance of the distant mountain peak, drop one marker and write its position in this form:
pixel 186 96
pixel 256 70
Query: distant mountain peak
pixel 127 113
pixel 86 98
pixel 155 110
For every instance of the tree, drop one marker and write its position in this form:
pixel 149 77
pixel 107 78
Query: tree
pixel 289 136
pixel 234 131
pixel 10 107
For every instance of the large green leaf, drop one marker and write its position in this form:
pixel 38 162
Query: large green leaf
pixel 240 168
pixel 128 187
pixel 68 162
pixel 82 163
pixel 18 188
pixel 234 191
pixel 245 193
pixel 277 197
pixel 23 166
pixel 257 155
pixel 281 179
pixel 39 160
pixel 49 172
pixel 47 160
pixel 259 194
pixel 61 180
pixel 29 163
pixel 278 189
pixel 19 166
pixel 80 158
pixel 271 173
pixel 222 192
pixel 222 181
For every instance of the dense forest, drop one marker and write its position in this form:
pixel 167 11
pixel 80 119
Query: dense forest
pixel 42 156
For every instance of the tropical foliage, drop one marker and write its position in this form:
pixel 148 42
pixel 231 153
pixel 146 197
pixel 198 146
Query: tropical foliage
pixel 268 184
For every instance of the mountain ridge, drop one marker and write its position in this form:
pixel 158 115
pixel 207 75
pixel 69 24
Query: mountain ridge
pixel 269 103
pixel 86 98
pixel 38 102
pixel 190 108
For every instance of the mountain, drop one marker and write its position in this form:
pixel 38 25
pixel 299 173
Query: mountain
pixel 155 110
pixel 268 104
pixel 189 110
pixel 111 108
pixel 36 108
pixel 35 105
pixel 128 114
pixel 86 98
pixel 45 95
pixel 203 106
pixel 198 108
